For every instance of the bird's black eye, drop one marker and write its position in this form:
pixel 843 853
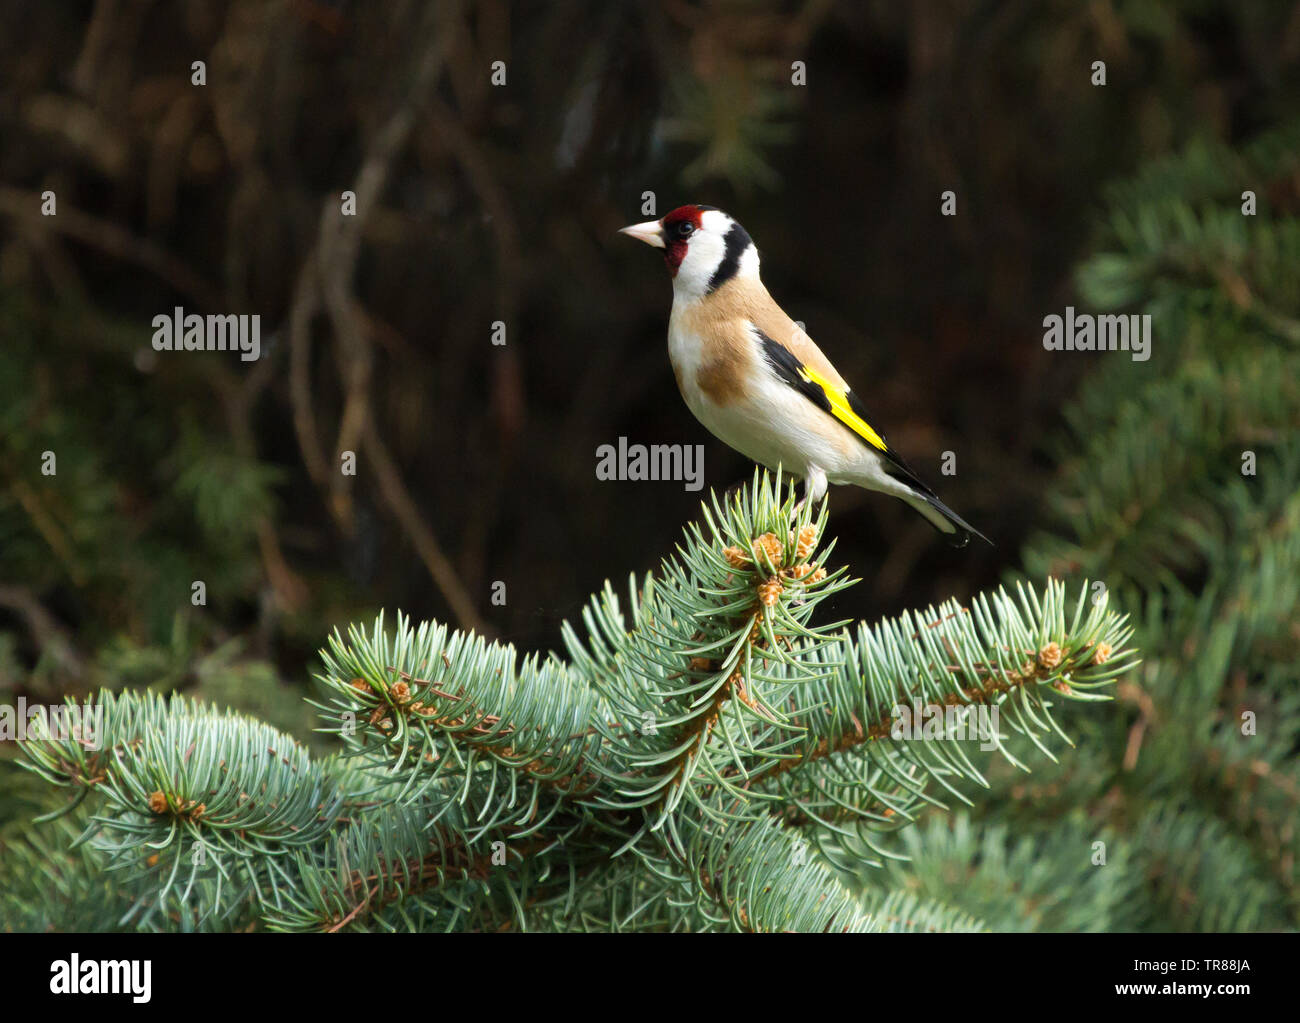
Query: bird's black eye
pixel 684 229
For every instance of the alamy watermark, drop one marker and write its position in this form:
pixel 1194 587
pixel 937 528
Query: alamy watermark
pixel 653 462
pixel 182 332
pixel 75 976
pixel 973 722
pixel 83 723
pixel 1109 332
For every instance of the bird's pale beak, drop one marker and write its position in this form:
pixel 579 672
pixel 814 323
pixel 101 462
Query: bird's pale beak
pixel 648 232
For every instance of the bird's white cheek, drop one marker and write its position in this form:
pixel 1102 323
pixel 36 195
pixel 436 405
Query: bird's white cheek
pixel 703 256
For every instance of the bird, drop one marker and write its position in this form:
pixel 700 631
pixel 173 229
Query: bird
pixel 759 383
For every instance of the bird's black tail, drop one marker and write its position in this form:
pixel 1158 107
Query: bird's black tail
pixel 944 519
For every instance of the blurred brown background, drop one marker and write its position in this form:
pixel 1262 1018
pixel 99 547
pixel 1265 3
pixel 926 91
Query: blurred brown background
pixel 481 203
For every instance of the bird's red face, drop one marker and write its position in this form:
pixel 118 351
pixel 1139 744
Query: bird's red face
pixel 678 228
pixel 672 233
pixel 703 248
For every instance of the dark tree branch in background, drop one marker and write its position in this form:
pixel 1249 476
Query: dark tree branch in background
pixel 47 631
pixel 112 240
pixel 326 280
pixel 399 501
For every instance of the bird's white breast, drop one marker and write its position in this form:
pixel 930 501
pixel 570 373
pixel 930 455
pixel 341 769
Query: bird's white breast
pixel 685 352
pixel 770 422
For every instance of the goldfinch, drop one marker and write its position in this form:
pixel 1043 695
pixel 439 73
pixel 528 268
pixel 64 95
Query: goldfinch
pixel 757 382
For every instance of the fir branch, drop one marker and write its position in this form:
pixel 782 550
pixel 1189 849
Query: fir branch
pixel 716 733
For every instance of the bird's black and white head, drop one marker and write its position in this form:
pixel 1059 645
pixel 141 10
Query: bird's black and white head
pixel 704 248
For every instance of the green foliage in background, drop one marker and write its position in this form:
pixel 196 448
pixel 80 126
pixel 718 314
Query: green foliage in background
pixel 1179 489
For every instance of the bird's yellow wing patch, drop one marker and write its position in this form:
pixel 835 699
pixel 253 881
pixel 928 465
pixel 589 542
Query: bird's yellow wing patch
pixel 839 402
pixel 841 408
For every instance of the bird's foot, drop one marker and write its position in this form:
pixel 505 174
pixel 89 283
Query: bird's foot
pixel 814 488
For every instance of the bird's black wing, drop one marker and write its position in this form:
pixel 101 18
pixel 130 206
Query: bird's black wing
pixel 840 403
